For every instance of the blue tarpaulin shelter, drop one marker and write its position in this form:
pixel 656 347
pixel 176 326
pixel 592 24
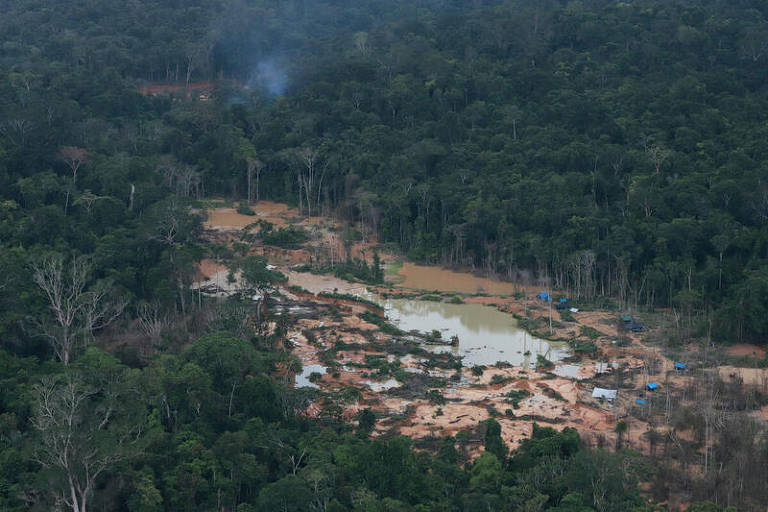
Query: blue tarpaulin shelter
pixel 563 300
pixel 544 296
pixel 642 402
pixel 652 386
pixel 681 366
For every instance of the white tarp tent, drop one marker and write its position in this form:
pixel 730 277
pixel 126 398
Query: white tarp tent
pixel 607 394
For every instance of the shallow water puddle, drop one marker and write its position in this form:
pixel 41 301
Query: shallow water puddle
pixel 486 335
pixel 570 371
pixel 302 379
pixel 381 386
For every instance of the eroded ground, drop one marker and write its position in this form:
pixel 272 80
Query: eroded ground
pixel 424 394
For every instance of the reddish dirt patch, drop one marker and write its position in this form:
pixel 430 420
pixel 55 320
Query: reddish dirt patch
pixel 157 89
pixel 488 301
pixel 746 350
pixel 271 208
pixel 324 283
pixel 420 277
pixel 209 268
pixel 748 376
pixel 227 218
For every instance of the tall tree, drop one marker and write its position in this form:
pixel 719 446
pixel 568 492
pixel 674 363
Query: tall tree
pixel 84 431
pixel 74 158
pixel 78 308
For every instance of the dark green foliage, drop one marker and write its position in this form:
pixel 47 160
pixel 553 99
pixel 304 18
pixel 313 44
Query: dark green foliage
pixel 589 332
pixel 584 347
pixel 243 209
pixel 492 439
pixel 500 379
pixel 543 362
pixel 355 269
pixel 366 421
pixel 382 323
pixel 436 397
pixel 610 146
pixel 517 395
pixel 256 275
pixel 290 237
pixel 290 494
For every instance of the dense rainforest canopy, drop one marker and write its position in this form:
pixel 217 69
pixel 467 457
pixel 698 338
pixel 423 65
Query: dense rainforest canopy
pixel 606 148
pixel 612 148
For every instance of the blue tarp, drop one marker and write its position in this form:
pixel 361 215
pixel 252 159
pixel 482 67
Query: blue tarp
pixel 642 402
pixel 653 385
pixel 543 295
pixel 681 366
pixel 563 300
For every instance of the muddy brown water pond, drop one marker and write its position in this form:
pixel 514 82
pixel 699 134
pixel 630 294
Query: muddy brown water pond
pixel 486 335
pixel 421 277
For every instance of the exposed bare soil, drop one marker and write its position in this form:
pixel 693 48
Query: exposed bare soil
pixel 420 277
pixel 515 396
pixel 746 350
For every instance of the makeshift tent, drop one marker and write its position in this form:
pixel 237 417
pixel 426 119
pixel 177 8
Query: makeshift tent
pixel 642 402
pixel 602 368
pixel 681 366
pixel 626 319
pixel 652 386
pixel 563 300
pixel 544 296
pixel 607 394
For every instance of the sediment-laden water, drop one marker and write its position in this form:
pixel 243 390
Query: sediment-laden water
pixel 486 335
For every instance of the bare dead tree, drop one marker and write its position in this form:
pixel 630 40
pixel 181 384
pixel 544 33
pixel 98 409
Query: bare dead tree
pixel 273 441
pixel 755 43
pixel 74 158
pixel 310 169
pixel 183 179
pixel 321 479
pixel 87 200
pixel 100 310
pixel 361 43
pixel 195 56
pixel 188 180
pixel 167 230
pixel 17 130
pixel 253 165
pixel 79 438
pixel 77 310
pixel 171 229
pixel 151 320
